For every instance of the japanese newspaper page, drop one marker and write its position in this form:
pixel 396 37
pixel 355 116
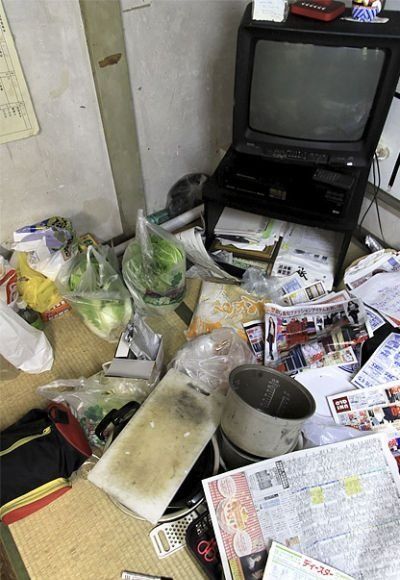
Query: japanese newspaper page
pixel 374 409
pixel 339 504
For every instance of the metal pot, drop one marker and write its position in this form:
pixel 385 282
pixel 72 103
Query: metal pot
pixel 265 411
pixel 233 457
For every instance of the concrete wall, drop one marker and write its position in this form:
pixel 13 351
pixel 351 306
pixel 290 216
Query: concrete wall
pixel 181 56
pixel 64 170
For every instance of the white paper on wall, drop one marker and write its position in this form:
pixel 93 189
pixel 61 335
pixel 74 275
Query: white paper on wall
pixel 17 116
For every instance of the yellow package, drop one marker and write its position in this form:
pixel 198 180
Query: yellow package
pixel 36 290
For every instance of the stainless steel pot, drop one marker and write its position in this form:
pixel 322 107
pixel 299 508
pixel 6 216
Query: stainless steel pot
pixel 265 411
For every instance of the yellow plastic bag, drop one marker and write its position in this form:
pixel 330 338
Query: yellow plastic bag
pixel 36 290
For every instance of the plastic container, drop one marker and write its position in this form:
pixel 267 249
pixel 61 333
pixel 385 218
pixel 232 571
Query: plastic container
pixel 265 411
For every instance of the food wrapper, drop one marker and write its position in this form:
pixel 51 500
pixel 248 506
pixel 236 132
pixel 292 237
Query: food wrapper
pixel 224 305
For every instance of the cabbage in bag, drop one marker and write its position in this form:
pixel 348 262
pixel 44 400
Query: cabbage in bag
pixel 97 293
pixel 154 267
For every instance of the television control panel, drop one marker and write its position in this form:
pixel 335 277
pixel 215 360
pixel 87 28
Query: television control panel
pixel 303 157
pixel 312 190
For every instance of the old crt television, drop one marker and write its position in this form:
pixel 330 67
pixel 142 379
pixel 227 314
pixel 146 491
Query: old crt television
pixel 313 92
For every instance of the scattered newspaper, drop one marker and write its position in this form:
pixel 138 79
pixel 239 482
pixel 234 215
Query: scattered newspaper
pixel 333 297
pixel 313 335
pixel 363 269
pixel 383 366
pixel 375 409
pixel 382 292
pixel 286 564
pixel 339 504
pixel 375 320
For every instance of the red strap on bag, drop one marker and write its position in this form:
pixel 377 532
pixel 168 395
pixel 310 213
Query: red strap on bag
pixel 68 426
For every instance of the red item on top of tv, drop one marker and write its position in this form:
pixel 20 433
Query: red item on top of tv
pixel 325 10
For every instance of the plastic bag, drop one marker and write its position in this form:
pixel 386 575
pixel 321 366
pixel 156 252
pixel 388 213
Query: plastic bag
pixel 97 293
pixel 210 358
pixel 22 345
pixel 91 399
pixel 8 283
pixel 320 430
pixel 154 267
pixel 255 281
pixel 49 244
pixel 143 341
pixel 37 291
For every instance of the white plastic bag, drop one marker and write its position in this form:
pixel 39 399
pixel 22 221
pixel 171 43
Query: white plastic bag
pixel 22 345
pixel 49 244
pixel 321 430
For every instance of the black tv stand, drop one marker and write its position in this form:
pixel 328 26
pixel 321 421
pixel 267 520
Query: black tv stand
pixel 308 194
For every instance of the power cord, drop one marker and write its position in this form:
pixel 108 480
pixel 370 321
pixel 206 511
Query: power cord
pixel 376 175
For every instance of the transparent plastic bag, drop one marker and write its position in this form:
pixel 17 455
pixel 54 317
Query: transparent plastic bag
pixel 153 268
pixel 95 290
pixel 255 281
pixel 321 430
pixel 91 399
pixel 210 358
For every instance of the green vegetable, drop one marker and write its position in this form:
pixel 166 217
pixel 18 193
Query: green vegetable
pixel 158 280
pixel 99 296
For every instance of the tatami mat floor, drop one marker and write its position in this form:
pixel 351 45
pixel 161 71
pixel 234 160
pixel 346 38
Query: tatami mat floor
pixel 83 534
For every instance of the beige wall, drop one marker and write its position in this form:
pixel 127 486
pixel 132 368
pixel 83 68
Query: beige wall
pixel 64 170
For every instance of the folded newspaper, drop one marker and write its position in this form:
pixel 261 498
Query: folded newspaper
pixel 339 504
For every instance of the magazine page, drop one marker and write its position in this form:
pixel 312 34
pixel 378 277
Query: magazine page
pixel 383 366
pixel 314 335
pixel 336 503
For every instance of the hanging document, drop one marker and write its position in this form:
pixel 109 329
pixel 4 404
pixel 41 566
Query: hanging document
pixel 17 117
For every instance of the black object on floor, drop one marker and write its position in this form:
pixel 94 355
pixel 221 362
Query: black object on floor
pixel 201 543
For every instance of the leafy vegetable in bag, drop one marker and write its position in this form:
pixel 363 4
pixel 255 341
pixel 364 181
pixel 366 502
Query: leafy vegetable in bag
pixel 154 266
pixel 98 294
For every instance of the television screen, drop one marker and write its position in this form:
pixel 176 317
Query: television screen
pixel 317 93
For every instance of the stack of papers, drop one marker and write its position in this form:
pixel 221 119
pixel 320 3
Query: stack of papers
pixel 247 230
pixel 310 251
pixel 375 279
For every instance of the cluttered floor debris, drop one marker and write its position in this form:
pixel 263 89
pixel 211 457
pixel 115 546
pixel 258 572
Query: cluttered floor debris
pixel 183 412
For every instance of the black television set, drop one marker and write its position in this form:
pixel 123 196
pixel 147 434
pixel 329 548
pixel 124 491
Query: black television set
pixel 313 92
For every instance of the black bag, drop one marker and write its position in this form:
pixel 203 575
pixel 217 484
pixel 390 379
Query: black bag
pixel 38 454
